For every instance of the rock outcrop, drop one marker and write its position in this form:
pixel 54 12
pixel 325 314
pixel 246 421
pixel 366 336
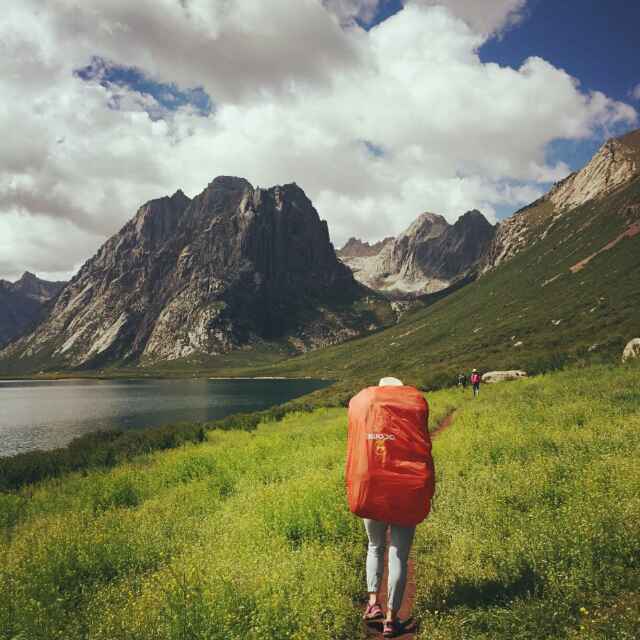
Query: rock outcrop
pixel 431 255
pixel 492 377
pixel 631 350
pixel 233 267
pixel 22 304
pixel 617 161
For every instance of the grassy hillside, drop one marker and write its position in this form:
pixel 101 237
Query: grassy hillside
pixel 532 312
pixel 536 531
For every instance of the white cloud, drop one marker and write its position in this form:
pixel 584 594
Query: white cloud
pixel 348 10
pixel 487 17
pixel 375 126
pixel 635 92
pixel 236 49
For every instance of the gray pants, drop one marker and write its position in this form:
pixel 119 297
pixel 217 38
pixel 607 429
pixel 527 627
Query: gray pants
pixel 401 539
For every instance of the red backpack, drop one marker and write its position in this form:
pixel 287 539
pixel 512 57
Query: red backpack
pixel 389 471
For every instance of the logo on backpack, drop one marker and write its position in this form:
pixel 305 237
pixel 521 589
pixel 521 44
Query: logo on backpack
pixel 380 436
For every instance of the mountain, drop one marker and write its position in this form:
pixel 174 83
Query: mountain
pixel 355 248
pixel 430 256
pixel 22 303
pixel 559 284
pixel 615 165
pixel 235 268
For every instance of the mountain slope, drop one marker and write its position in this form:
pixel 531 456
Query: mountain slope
pixel 564 287
pixel 234 268
pixel 22 304
pixel 616 164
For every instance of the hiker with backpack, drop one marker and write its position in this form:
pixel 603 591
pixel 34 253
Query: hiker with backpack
pixel 475 382
pixel 462 381
pixel 390 481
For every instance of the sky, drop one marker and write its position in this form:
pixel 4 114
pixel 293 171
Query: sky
pixel 378 109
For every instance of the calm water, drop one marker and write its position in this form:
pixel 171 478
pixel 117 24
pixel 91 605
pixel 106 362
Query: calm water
pixel 46 414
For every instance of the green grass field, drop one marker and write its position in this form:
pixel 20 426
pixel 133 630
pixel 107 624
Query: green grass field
pixel 536 531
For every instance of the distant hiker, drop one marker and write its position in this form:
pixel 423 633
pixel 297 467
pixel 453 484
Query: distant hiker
pixel 475 382
pixel 462 380
pixel 390 482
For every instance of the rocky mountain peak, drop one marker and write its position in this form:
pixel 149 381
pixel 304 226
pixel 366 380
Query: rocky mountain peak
pixel 456 252
pixel 430 255
pixel 22 303
pixel 179 199
pixel 158 218
pixel 356 248
pixel 221 196
pixel 426 225
pixel 473 220
pixel 27 276
pixel 228 269
pixel 472 214
pixel 33 287
pixel 231 183
pixel 616 163
pixel 278 195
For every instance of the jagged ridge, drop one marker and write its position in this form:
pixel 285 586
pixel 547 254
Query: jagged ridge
pixel 430 256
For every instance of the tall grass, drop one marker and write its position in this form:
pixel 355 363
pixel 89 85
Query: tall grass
pixel 247 535
pixel 538 531
pixel 105 449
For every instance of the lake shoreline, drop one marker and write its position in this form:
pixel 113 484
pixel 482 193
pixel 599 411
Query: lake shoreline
pixel 156 377
pixel 266 378
pixel 174 375
pixel 48 414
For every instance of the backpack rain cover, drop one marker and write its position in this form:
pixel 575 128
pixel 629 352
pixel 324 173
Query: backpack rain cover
pixel 389 472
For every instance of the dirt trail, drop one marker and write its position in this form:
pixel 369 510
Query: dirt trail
pixel 445 423
pixel 375 630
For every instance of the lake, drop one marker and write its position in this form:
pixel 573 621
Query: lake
pixel 37 414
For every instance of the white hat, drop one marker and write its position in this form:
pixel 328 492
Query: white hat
pixel 390 382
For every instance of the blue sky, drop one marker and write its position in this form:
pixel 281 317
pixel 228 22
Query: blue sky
pixel 386 9
pixel 594 41
pixel 168 96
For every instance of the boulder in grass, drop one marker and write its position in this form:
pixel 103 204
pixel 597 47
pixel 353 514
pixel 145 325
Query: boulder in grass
pixel 502 376
pixel 632 350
